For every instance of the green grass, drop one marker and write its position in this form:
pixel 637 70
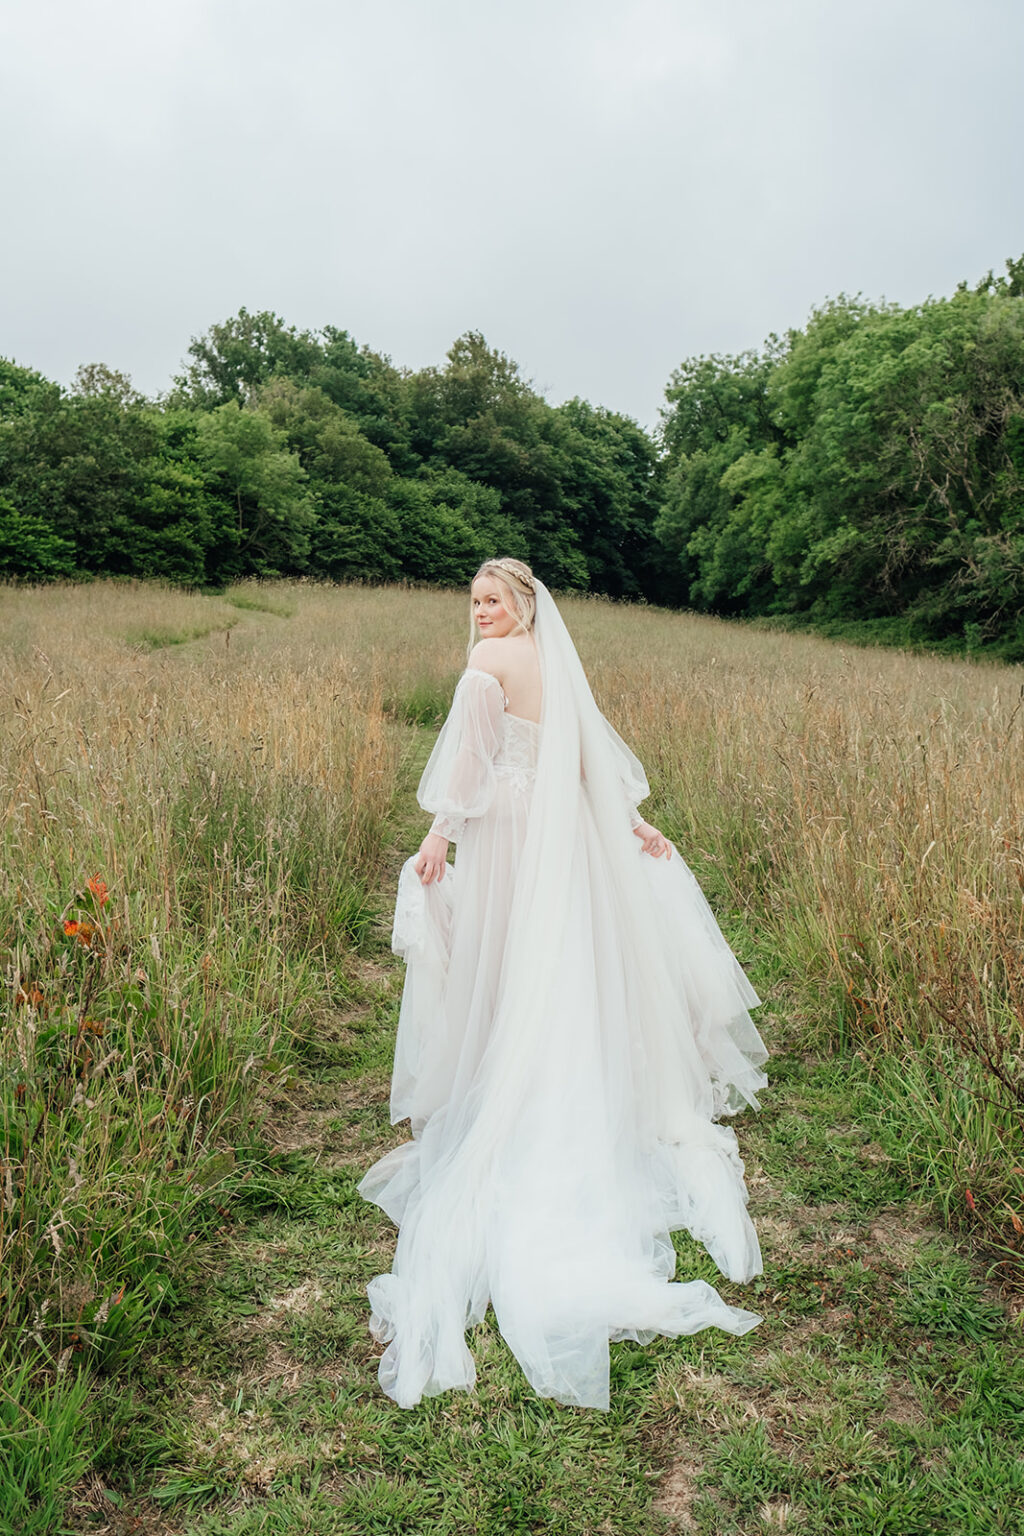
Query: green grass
pixel 257 602
pixel 898 632
pixel 882 1393
pixel 42 1450
pixel 425 703
pixel 159 637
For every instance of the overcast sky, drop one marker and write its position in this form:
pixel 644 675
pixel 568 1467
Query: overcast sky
pixel 603 187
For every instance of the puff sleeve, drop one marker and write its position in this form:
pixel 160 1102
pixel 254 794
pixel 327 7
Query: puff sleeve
pixel 631 775
pixel 459 781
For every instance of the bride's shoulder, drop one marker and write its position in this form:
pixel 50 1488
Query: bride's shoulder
pixel 486 656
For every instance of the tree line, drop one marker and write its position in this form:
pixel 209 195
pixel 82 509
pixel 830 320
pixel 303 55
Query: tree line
pixel 284 452
pixel 865 470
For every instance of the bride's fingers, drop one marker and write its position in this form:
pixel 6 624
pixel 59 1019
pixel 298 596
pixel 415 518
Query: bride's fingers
pixel 430 870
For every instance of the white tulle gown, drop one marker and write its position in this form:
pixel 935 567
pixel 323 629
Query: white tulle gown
pixel 572 1027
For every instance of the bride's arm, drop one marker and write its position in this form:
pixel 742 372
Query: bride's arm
pixel 458 782
pixel 635 787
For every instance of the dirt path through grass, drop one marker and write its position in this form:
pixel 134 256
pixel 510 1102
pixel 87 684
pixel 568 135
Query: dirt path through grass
pixel 882 1395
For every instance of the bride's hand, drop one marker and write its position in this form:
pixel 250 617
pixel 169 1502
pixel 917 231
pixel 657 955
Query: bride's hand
pixel 432 859
pixel 655 843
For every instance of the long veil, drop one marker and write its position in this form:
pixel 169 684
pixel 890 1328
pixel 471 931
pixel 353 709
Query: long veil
pixel 586 1130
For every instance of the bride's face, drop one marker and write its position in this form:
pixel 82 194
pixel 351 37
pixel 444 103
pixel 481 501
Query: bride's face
pixel 492 618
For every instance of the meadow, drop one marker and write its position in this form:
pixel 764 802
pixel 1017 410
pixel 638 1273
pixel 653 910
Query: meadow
pixel 205 802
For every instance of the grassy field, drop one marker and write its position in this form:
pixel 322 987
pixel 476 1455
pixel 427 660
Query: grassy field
pixel 205 803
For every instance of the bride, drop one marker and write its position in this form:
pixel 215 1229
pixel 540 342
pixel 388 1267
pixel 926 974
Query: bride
pixel 573 1026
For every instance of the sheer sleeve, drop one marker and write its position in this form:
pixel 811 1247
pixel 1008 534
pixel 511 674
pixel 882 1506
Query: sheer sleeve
pixel 459 781
pixel 631 775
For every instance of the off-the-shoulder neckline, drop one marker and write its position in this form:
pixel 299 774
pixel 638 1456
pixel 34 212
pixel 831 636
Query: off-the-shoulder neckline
pixel 482 672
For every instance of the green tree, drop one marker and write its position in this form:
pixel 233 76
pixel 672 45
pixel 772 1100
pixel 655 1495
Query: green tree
pixel 356 533
pixel 373 394
pixel 29 548
pixel 98 381
pixel 437 543
pixel 233 358
pixel 611 489
pixel 912 465
pixel 19 388
pixel 248 462
pixel 718 413
pixel 486 421
pixel 180 522
pixel 328 441
pixel 73 463
pixel 869 467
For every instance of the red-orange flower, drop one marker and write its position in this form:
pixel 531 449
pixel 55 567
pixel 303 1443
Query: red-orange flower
pixel 969 1198
pixel 99 890
pixel 83 932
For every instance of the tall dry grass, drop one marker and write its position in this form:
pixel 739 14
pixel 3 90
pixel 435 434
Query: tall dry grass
pixel 864 809
pixel 224 769
pixel 193 801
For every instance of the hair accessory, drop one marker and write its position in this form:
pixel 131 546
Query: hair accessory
pixel 512 568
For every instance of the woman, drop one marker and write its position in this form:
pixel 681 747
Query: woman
pixel 573 1024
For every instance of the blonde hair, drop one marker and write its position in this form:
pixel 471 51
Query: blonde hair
pixel 516 578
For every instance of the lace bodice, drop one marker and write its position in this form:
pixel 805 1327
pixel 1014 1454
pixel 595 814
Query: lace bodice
pixel 482 746
pixel 517 755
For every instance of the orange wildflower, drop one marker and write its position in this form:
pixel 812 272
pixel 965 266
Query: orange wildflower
pixel 83 932
pixel 969 1198
pixel 98 888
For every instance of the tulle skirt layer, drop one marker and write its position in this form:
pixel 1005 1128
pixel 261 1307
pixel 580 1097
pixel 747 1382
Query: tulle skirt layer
pixel 555 1148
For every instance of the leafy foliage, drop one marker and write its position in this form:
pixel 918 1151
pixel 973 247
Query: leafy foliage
pixel 869 467
pixel 287 452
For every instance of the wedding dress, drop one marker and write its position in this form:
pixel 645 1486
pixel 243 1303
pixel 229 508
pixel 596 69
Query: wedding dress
pixel 573 1026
